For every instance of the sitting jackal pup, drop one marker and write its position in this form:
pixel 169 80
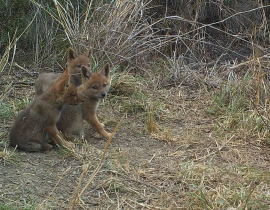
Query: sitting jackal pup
pixel 35 127
pixel 95 87
pixel 74 63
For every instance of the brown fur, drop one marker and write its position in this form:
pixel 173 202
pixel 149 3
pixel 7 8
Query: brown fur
pixel 74 64
pixel 95 87
pixel 35 127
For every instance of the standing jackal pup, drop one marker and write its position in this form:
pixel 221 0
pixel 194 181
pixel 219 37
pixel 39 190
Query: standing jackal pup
pixel 35 127
pixel 74 64
pixel 95 87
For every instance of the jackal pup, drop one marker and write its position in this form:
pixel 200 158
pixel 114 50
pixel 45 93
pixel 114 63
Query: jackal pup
pixel 35 127
pixel 74 64
pixel 95 87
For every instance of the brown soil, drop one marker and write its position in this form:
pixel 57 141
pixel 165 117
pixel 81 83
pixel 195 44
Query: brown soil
pixel 167 170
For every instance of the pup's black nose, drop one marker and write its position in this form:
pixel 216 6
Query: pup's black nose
pixel 103 95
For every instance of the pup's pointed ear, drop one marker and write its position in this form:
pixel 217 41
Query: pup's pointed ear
pixel 106 70
pixel 85 73
pixel 71 55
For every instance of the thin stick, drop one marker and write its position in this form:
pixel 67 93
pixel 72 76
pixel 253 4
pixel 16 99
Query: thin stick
pixel 76 192
pixel 78 195
pixel 103 156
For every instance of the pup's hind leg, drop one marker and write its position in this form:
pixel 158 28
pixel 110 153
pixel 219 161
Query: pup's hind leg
pixel 34 147
pixel 47 147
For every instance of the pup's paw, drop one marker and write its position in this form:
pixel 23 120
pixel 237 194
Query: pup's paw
pixel 69 145
pixel 108 135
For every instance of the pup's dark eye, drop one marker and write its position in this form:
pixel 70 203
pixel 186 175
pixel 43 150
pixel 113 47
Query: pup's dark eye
pixel 79 65
pixel 89 65
pixel 104 85
pixel 95 87
pixel 74 94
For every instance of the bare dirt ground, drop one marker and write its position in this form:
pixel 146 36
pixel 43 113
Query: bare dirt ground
pixel 189 164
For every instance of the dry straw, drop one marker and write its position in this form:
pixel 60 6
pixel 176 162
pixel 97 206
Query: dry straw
pixel 77 195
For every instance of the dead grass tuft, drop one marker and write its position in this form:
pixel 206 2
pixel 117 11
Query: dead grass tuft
pixel 8 156
pixel 242 103
pixel 165 135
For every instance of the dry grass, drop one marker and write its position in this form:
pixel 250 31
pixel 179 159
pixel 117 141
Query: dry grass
pixel 77 195
pixel 118 31
pixel 242 104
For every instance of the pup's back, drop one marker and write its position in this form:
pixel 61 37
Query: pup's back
pixel 27 131
pixel 44 81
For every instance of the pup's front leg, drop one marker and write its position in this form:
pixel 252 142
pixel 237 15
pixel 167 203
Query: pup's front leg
pixel 99 127
pixel 57 137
